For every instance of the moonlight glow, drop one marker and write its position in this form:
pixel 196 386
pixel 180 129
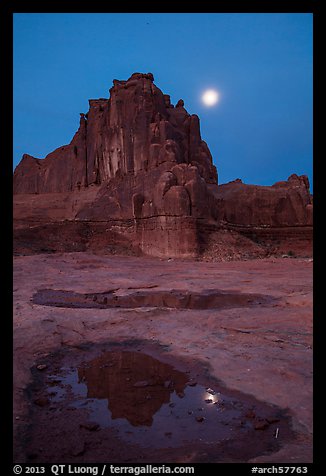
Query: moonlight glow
pixel 210 97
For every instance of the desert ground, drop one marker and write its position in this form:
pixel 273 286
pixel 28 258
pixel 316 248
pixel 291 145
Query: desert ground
pixel 240 330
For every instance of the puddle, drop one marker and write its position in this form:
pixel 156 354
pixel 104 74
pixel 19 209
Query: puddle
pixel 177 299
pixel 132 402
pixel 149 402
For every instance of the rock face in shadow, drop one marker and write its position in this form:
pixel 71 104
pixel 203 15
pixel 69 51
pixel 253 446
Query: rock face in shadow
pixel 138 164
pixel 286 203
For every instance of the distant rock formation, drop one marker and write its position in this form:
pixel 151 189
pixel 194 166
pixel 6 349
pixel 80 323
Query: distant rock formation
pixel 286 203
pixel 138 163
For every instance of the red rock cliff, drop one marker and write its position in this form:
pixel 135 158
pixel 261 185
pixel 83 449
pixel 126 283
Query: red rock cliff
pixel 138 165
pixel 136 129
pixel 286 203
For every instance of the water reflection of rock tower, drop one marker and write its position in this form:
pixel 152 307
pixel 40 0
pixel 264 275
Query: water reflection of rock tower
pixel 136 385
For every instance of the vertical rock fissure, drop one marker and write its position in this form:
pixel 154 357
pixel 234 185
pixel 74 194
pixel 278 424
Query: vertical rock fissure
pixel 86 164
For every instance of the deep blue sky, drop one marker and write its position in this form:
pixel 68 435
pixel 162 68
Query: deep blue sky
pixel 261 64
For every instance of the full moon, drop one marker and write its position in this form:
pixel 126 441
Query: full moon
pixel 210 97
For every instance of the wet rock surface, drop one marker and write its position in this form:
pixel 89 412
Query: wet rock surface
pixel 207 299
pixel 259 351
pixel 141 401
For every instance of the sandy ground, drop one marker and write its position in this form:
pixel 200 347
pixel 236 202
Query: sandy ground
pixel 261 350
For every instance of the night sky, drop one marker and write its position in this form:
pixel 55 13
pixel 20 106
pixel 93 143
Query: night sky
pixel 261 65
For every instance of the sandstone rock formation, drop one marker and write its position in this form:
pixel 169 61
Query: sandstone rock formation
pixel 138 164
pixel 286 203
pixel 136 129
pixel 278 217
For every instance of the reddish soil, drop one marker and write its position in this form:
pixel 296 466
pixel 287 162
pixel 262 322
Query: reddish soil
pixel 253 344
